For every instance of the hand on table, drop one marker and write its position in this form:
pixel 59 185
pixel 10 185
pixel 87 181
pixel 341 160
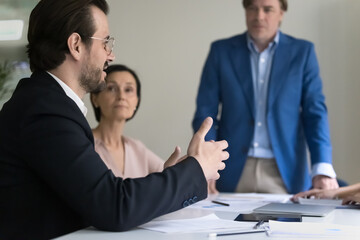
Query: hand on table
pixel 317 193
pixel 352 199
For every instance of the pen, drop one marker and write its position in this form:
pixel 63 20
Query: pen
pixel 221 203
pixel 258 224
pixel 236 233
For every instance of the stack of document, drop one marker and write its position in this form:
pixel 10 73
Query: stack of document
pixel 208 223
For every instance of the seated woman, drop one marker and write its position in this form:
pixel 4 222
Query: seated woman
pixel 113 107
pixel 350 194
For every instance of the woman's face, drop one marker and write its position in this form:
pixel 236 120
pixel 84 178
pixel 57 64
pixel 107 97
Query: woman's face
pixel 118 100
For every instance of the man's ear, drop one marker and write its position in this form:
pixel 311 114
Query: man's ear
pixel 75 45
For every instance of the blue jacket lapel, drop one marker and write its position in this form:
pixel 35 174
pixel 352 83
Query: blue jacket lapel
pixel 240 60
pixel 279 70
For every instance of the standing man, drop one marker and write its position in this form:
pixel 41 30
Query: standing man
pixel 264 91
pixel 52 181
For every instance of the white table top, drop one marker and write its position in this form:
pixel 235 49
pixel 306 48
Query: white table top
pixel 338 216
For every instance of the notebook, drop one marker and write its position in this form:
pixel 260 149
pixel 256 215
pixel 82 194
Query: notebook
pixel 294 209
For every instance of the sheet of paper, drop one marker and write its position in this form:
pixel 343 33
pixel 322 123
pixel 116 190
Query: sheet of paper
pixel 241 202
pixel 209 223
pixel 307 230
pixel 234 206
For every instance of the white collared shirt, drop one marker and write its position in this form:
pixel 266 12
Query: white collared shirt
pixel 71 94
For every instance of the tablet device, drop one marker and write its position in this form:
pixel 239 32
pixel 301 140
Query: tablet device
pixel 296 209
pixel 253 217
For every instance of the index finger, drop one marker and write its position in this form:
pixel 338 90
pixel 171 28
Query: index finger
pixel 296 197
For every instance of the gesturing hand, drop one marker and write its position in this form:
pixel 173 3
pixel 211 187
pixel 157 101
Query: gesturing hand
pixel 210 155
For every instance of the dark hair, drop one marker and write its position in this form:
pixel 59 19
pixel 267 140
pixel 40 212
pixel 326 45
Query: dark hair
pixel 283 4
pixel 50 25
pixel 118 68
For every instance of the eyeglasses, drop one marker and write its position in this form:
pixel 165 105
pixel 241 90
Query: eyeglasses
pixel 109 43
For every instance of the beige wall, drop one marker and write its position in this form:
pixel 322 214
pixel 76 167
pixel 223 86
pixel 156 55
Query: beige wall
pixel 167 41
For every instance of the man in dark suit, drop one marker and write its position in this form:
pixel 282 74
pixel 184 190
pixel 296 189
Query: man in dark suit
pixel 269 90
pixel 52 181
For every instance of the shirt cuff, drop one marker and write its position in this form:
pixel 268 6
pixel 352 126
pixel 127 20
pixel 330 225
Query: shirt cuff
pixel 323 169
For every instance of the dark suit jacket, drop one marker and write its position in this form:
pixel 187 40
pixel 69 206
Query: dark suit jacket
pixel 52 181
pixel 296 111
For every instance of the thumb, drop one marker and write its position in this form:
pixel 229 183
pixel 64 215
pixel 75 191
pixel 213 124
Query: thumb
pixel 205 127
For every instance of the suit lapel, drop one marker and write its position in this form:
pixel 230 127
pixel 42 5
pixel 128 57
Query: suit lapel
pixel 71 108
pixel 279 70
pixel 240 60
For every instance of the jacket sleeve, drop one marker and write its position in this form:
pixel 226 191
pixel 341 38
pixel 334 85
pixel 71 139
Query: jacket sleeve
pixel 58 148
pixel 208 98
pixel 314 112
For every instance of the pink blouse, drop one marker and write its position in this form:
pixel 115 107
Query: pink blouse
pixel 139 160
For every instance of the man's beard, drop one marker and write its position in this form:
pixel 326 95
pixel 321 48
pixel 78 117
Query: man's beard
pixel 90 79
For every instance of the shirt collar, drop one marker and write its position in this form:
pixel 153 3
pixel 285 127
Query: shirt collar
pixel 251 45
pixel 71 94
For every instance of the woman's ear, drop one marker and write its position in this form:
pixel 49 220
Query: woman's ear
pixel 93 99
pixel 137 104
pixel 75 45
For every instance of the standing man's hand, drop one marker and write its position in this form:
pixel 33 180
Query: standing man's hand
pixel 210 155
pixel 324 182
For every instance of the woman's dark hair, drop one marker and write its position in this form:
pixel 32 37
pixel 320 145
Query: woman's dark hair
pixel 50 25
pixel 118 68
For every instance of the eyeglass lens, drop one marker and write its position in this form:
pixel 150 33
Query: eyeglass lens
pixel 109 45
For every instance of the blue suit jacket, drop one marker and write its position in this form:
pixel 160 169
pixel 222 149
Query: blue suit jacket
pixel 296 110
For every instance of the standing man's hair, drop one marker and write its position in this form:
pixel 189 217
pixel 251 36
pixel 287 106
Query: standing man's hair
pixel 283 4
pixel 52 22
